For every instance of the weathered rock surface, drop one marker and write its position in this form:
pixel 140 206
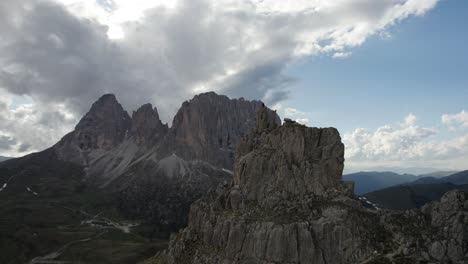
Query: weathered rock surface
pixel 450 218
pixel 209 126
pixel 287 204
pixel 278 164
pixel 103 128
pixel 147 129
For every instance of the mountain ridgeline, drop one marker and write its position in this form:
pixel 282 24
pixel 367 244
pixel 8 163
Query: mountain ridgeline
pixel 107 141
pixel 417 193
pixel 371 181
pixel 458 178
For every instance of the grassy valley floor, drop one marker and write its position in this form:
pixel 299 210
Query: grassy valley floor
pixel 81 228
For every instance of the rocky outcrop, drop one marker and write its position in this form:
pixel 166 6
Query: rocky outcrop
pixel 436 233
pixel 449 218
pixel 287 204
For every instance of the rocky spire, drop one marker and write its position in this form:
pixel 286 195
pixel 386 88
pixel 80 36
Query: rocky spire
pixel 288 162
pixel 293 160
pixel 146 127
pixel 267 120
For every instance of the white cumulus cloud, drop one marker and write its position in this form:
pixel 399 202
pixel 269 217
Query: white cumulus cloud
pixel 405 145
pixel 456 121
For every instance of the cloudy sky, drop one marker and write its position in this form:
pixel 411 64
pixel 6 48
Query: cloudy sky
pixel 389 74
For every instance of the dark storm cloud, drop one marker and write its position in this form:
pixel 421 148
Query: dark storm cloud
pixel 24 147
pixel 265 80
pixel 55 57
pixel 52 56
pixel 6 142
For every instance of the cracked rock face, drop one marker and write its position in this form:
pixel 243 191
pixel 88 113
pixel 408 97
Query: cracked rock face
pixel 288 162
pixel 209 126
pixel 450 218
pixel 147 129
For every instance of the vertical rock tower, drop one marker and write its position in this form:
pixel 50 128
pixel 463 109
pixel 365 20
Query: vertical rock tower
pixel 289 162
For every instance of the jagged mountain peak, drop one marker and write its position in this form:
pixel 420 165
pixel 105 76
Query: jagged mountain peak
pixel 147 127
pixel 106 114
pixel 102 128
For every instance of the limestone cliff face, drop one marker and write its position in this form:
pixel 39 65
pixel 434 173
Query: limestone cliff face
pixel 287 204
pixel 147 129
pixel 436 233
pixel 209 126
pixel 450 218
pixel 289 162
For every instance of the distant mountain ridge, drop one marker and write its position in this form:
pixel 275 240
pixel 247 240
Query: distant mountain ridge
pixel 2 158
pixel 404 197
pixel 438 174
pixel 416 193
pixel 458 178
pixel 365 182
pixel 400 170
